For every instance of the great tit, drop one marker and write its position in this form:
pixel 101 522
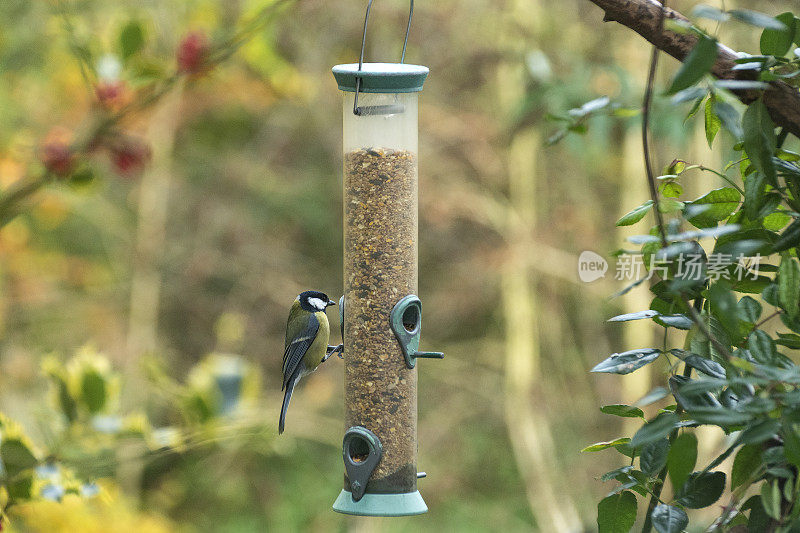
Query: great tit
pixel 307 333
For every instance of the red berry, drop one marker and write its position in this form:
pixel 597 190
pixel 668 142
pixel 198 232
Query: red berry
pixel 58 158
pixel 192 53
pixel 111 94
pixel 130 156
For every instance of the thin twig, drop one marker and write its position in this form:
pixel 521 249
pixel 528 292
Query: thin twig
pixel 648 98
pixel 770 317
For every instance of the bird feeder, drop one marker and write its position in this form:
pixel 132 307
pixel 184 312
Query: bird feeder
pixel 381 315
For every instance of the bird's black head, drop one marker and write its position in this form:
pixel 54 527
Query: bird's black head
pixel 314 301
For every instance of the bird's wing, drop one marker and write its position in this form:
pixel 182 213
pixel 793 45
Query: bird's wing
pixel 297 348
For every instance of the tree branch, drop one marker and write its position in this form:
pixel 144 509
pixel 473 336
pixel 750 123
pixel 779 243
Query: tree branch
pixel 642 16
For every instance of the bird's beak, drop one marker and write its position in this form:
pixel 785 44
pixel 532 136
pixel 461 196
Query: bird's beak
pixel 331 302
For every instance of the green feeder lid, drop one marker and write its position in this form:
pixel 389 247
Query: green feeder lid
pixel 381 77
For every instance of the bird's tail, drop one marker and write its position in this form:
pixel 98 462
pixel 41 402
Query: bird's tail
pixel 287 396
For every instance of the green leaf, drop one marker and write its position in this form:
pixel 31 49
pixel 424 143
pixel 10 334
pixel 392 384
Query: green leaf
pixel 658 428
pixel 696 65
pixel 669 519
pixel 762 347
pixel 600 446
pixel 749 309
pixel 709 12
pixel 747 461
pixel 93 391
pixel 682 458
pixel 758 520
pixel 636 215
pixel 719 416
pixel 759 139
pixel 797 33
pixel 671 189
pixel 654 456
pixel 723 306
pixel 754 18
pixel 653 396
pixel 790 340
pixel 751 286
pixel 616 513
pixel 21 488
pixel 754 197
pixel 720 204
pixel 65 400
pixel 675 321
pixel 626 411
pixel 627 362
pixel 741 85
pixel 789 286
pixel 81 177
pixel 791 443
pixel 712 121
pixel 759 432
pixel 776 221
pixel 16 456
pixel 131 39
pixel 639 315
pixel 771 498
pixel 706 366
pixel 615 474
pixel 730 118
pixel 701 489
pixel 776 42
pixel 790 237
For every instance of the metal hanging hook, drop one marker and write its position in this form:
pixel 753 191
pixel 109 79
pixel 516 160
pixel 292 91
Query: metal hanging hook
pixel 356 110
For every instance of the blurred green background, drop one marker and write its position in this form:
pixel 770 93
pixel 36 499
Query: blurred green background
pixel 240 209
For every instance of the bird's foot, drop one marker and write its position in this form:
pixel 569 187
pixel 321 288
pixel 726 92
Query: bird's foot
pixel 333 350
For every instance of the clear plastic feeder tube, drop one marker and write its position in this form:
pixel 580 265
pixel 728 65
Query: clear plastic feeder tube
pixel 380 268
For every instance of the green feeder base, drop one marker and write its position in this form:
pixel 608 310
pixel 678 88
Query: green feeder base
pixel 403 504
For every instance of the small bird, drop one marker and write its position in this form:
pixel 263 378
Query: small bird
pixel 307 333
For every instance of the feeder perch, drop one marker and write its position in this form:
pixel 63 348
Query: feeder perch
pixel 341 318
pixel 380 108
pixel 406 323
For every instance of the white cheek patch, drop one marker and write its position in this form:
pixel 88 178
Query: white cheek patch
pixel 316 302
